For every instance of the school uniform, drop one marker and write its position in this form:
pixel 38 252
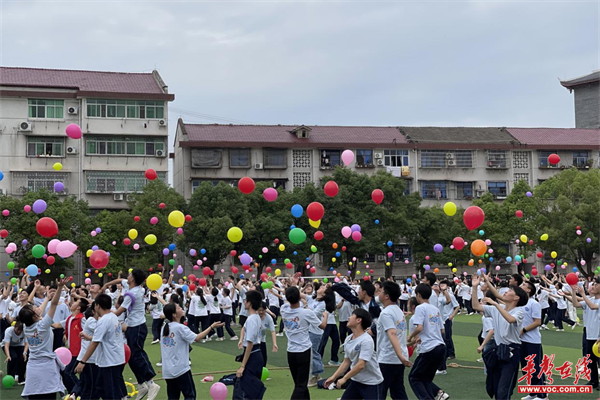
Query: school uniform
pixel 591 332
pixel 110 358
pixel 542 298
pixel 531 343
pixel 175 354
pixel 89 376
pixel 344 313
pixel 561 312
pixel 16 347
pixel 315 335
pixel 365 384
pixel 200 312
pixel 331 331
pixel 215 313
pixel 72 326
pixel 227 305
pixel 266 325
pixel 156 311
pixel 390 366
pixel 446 310
pixel 243 311
pixel 249 386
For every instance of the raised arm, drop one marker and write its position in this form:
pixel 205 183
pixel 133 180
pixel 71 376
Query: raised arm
pixel 59 285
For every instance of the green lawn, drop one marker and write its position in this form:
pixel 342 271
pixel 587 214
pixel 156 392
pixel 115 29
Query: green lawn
pixel 466 381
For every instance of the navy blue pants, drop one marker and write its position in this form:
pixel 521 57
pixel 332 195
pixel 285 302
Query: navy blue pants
pixel 357 391
pixel 423 371
pixel 249 386
pixel 528 349
pixel 393 380
pixel 331 331
pixel 69 377
pixel 139 362
pixel 183 384
pixel 110 383
pixel 88 382
pixel 156 324
pixel 504 374
pixel 593 366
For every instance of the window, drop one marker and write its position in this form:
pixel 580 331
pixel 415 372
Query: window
pixel 23 182
pixel 543 157
pixel 239 157
pixel 464 158
pixel 434 190
pixel 497 159
pixel 464 190
pixel 206 158
pixel 364 158
pixel 143 109
pixel 117 181
pixel 395 158
pixel 274 158
pixel 330 158
pixel 580 159
pixel 46 108
pixel 407 187
pixel 402 252
pixel 433 158
pixel 279 183
pixel 38 146
pixel 498 189
pixel 124 146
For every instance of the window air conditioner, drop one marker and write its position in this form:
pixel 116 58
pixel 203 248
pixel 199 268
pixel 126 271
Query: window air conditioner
pixel 72 110
pixel 449 156
pixel 378 155
pixel 258 166
pixel 162 122
pixel 71 150
pixel 25 126
pixel 159 153
pixel 451 163
pixel 118 197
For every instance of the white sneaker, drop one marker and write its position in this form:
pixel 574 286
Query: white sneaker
pixel 528 397
pixel 159 364
pixel 480 360
pixel 334 363
pixel 220 339
pixel 573 326
pixel 442 396
pixel 234 338
pixel 190 362
pixel 279 334
pixel 560 330
pixel 444 372
pixel 208 338
pixel 153 391
pixel 203 341
pixel 155 341
pixel 143 389
pixel 312 381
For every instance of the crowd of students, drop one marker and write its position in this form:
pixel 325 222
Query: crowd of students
pixel 379 325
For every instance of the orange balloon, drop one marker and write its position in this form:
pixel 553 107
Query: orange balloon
pixel 480 261
pixel 478 247
pixel 470 263
pixel 436 270
pixel 335 245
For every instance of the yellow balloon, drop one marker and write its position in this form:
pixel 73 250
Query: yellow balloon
pixel 357 272
pixel 282 247
pixel 150 239
pixel 133 234
pixel 544 237
pixel 333 259
pixel 89 253
pixel 57 166
pixel 277 272
pixel 100 275
pixel 350 263
pixel 553 254
pixel 73 284
pixel 596 350
pixel 130 270
pixel 450 208
pixel 235 234
pixel 523 238
pixel 566 265
pixel 47 271
pixel 449 264
pixel 314 224
pixel 365 262
pixel 454 270
pixel 176 219
pixel 87 275
pixel 154 282
pixel 387 263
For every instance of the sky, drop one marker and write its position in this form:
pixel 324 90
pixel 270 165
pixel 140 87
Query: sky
pixel 392 63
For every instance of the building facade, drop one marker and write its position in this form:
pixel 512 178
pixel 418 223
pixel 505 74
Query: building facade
pixel 587 99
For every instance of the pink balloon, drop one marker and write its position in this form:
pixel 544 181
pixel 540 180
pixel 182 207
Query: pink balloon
pixel 154 220
pixel 52 246
pixel 270 194
pixel 66 248
pixel 6 213
pixel 136 246
pixel 488 242
pixel 87 282
pixel 27 208
pixel 356 236
pixel 64 355
pixel 265 250
pixel 73 131
pixel 179 231
pixel 93 233
pixel 346 232
pixel 347 157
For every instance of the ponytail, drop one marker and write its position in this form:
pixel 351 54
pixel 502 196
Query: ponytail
pixel 169 312
pixel 200 293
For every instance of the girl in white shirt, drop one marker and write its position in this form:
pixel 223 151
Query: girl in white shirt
pixel 227 306
pixel 199 308
pixel 215 313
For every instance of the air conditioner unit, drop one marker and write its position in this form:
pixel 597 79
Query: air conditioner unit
pixel 379 162
pixel 258 166
pixel 162 122
pixel 479 193
pixel 160 153
pixel 381 257
pixel 129 197
pixel 451 163
pixel 73 110
pixel 72 150
pixel 449 156
pixel 118 197
pixel 25 126
pixel 378 155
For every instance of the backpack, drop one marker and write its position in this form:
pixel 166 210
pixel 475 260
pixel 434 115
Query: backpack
pixel 228 379
pixel 346 292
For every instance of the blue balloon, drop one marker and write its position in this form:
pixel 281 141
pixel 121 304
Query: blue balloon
pixel 1 175
pixel 331 268
pixel 273 261
pixel 32 270
pixel 7 272
pixel 408 280
pixel 307 258
pixel 508 259
pixel 292 227
pixel 518 258
pixel 202 251
pixel 574 269
pixel 241 276
pixel 184 288
pixel 491 258
pixel 297 210
pixel 389 243
pixel 481 232
pixel 337 254
pixel 376 222
pixel 172 247
pixel 295 253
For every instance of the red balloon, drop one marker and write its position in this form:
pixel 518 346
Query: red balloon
pixel 206 271
pixel 313 270
pixel 202 282
pixel 319 235
pixel 315 211
pixel 50 260
pixel 553 159
pixel 99 259
pixel 188 218
pixel 3 233
pixel 136 218
pixel 233 253
pixel 268 269
pixel 246 185
pixel 377 196
pixel 277 240
pixel 458 243
pixel 534 272
pixel 46 227
pixel 212 273
pixel 367 278
pixel 572 278
pixel 473 217
pixel 519 214
pixel 343 248
pixel 410 351
pixel 162 205
pixel 264 277
pixel 126 241
pixel 192 287
pixel 150 174
pixel 127 353
pixel 159 265
pixel 289 265
pixel 540 254
pixel 331 189
pixel 235 270
pixel 191 277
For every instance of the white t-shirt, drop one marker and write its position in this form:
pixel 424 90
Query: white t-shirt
pixel 591 320
pixel 175 350
pixel 431 335
pixel 487 326
pixel 200 309
pixel 226 302
pixel 296 322
pixel 390 318
pixel 404 295
pixel 531 311
pixel 39 336
pixel 88 328
pixel 363 348
pixel 252 331
pixel 319 308
pixel 4 306
pixel 243 311
pixel 466 292
pixel 543 299
pixel 561 304
pixel 345 311
pixel 434 299
pixel 505 333
pixel 110 351
pixel 213 304
pixel 267 324
pixel 137 315
pixel 156 310
pixel 447 309
pixel 273 300
pixel 12 338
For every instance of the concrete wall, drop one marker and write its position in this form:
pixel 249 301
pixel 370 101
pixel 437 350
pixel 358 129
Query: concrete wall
pixel 587 105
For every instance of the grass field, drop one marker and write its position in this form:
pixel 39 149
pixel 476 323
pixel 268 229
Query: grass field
pixel 464 381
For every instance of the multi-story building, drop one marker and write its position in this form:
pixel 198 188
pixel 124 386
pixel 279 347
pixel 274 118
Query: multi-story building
pixel 587 99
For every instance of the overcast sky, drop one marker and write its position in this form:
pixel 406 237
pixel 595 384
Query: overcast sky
pixel 327 63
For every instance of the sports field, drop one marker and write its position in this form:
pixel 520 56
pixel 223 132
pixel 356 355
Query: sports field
pixel 464 381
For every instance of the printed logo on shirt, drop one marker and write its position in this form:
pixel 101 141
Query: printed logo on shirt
pixel 118 328
pixel 291 324
pixel 401 325
pixel 35 340
pixel 169 341
pixel 434 319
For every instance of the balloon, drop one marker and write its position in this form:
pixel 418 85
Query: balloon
pixel 99 259
pixel 10 265
pixel 331 189
pixel 202 281
pixel 478 247
pixel 297 236
pixel 133 234
pixel 553 254
pixel 52 245
pixel 59 187
pixel 450 208
pixel 519 214
pixel 313 248
pixel 347 157
pixel 277 272
pixel 150 174
pixel 4 233
pixel 50 260
pixel 8 381
pixel 473 217
pixel 377 196
pixel 150 239
pixel 39 206
pixel 176 219
pixel 438 248
pixel 66 248
pixel 218 391
pixel 595 350
pixel 572 279
pixel 314 224
pixel 356 236
pixel 553 159
pixel 188 218
pixel 162 205
pixel 245 259
pixel 458 243
pixel 534 272
pixel 235 234
pixel 127 352
pixel 47 227
pixel 346 232
pixel 270 194
pixel 179 268
pixel 74 132
pixel 355 227
pixel 315 211
pixel 523 238
pixel 297 210
pixel 544 237
pixel 38 251
pixel 319 235
pixel 32 270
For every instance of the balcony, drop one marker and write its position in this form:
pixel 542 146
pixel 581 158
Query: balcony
pixel 497 159
pixel 401 172
pixel 583 162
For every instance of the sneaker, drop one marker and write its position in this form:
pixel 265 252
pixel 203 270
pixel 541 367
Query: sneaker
pixel 208 339
pixel 21 383
pixel 155 341
pixel 528 397
pixel 560 330
pixel 159 364
pixel 442 396
pixel 143 388
pixel 220 339
pixel 234 338
pixel 279 334
pixel 190 362
pixel 153 390
pixel 334 363
pixel 438 372
pixel 203 341
pixel 544 327
pixel 451 357
pixel 480 360
pixel 312 381
pixel 573 326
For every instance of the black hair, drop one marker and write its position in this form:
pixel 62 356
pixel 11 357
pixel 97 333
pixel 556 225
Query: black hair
pixel 377 283
pixel 139 276
pixel 531 288
pixel 292 295
pixel 503 283
pixel 518 278
pixel 412 302
pixel 120 300
pixel 153 300
pixel 169 311
pixel 316 287
pixel 430 276
pixel 365 318
pixel 424 290
pixel 200 293
pixel 368 288
pixel 83 304
pixel 18 326
pixel 254 298
pixel 523 297
pixel 490 295
pixel 226 292
pixel 263 304
pixel 104 301
pixel 215 291
pixel 90 311
pixel 329 299
pixel 113 288
pixel 27 315
pixel 392 290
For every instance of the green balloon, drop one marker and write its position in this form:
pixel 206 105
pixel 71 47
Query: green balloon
pixel 8 381
pixel 287 260
pixel 269 284
pixel 260 256
pixel 297 236
pixel 265 374
pixel 10 265
pixel 38 251
pixel 171 262
pixel 264 285
pixel 325 280
pixel 62 276
pixel 13 281
pixel 313 248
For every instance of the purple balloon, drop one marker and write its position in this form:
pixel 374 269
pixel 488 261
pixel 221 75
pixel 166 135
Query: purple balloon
pixel 39 206
pixel 95 247
pixel 59 187
pixel 547 267
pixel 24 242
pixel 98 230
pixel 245 259
pixel 589 240
pixel 108 253
pixel 166 251
pixel 355 228
pixel 180 270
pixel 529 194
pixel 192 252
pixel 438 248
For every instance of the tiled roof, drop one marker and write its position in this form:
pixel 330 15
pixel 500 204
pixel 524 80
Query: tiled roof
pixel 83 81
pixel 592 77
pixel 556 137
pixel 428 134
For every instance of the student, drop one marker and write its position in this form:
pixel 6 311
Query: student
pixel 176 339
pixel 156 311
pixel 248 384
pixel 297 321
pixel 327 299
pixel 241 287
pixel 200 311
pixel 542 298
pixel 110 352
pixel 15 347
pixel 88 378
pixel 227 306
pixel 432 349
pixel 448 306
pixel 561 310
pixel 43 366
pixel 391 342
pixel 506 320
pixel 215 313
pixel 73 327
pixel 315 333
pixel 360 357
